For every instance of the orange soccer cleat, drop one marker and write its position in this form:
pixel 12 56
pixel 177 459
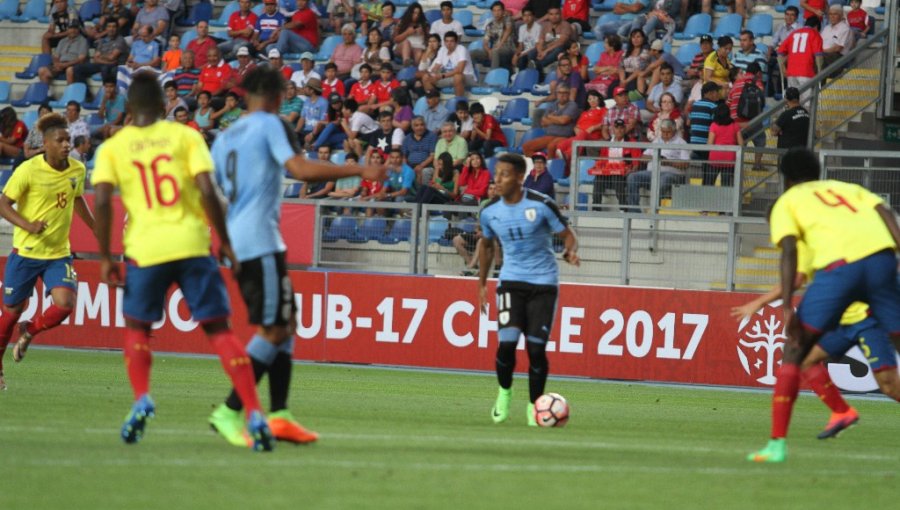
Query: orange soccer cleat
pixel 285 428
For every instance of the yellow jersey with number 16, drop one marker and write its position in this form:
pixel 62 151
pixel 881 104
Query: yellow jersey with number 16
pixel 154 168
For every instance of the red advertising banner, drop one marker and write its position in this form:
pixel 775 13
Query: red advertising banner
pixel 600 331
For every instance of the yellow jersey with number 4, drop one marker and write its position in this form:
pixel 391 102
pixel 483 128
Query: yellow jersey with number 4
pixel 154 168
pixel 43 193
pixel 856 312
pixel 837 221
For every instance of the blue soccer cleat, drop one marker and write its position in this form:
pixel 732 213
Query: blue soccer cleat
pixel 258 429
pixel 133 428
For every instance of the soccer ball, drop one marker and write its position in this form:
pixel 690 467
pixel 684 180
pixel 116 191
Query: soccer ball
pixel 551 410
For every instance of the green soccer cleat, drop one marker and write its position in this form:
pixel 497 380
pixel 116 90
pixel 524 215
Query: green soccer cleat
pixel 775 451
pixel 230 425
pixel 529 410
pixel 500 411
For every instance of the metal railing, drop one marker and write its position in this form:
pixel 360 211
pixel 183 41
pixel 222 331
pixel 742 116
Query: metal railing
pixel 878 172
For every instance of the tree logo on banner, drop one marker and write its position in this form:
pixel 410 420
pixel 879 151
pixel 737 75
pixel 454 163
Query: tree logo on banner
pixel 761 343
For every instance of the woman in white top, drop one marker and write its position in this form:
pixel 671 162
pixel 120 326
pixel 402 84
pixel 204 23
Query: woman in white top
pixel 409 38
pixel 374 54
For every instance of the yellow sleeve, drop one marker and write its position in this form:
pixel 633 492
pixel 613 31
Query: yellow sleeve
pixel 710 62
pixel 105 167
pixel 17 185
pixel 782 222
pixel 198 156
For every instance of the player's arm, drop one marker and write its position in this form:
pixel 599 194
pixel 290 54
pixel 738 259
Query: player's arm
pixel 84 212
pixel 214 206
pixel 570 242
pixel 304 169
pixel 891 222
pixel 485 263
pixel 749 308
pixel 13 216
pixel 788 246
pixel 103 192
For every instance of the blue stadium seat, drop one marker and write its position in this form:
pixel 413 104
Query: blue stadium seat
pixel 687 52
pixel 437 225
pixel 491 163
pixel 478 30
pixel 465 18
pixel 495 80
pixel 531 134
pixel 524 81
pixel 603 5
pixel 4 92
pixel 36 93
pixel 420 106
pixel 200 11
pixel 477 44
pixel 515 110
pixel 8 9
pixel 450 105
pixel 407 73
pixel 292 190
pixel 696 25
pixel 510 135
pixel 89 10
pixel 760 25
pixel 607 18
pixel 593 52
pixel 557 169
pixel 222 20
pixel 38 61
pixel 401 231
pixel 729 25
pixel 94 104
pixel 30 118
pixel 340 228
pixel 374 229
pixel 720 8
pixel 328 46
pixel 432 15
pixel 4 177
pixel 782 7
pixel 583 166
pixel 187 37
pixel 73 92
pixel 35 10
pixel 94 119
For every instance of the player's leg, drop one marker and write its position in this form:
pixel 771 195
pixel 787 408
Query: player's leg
pixel 540 310
pixel 20 275
pixel 60 278
pixel 510 316
pixel 880 354
pixel 883 292
pixel 832 345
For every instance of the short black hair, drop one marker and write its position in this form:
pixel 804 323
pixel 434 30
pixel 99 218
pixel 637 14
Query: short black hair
pixel 205 93
pixel 800 165
pixel 495 4
pixel 351 104
pixel 80 139
pixel 451 35
pixel 666 67
pixel 331 65
pixel 476 108
pixel 708 87
pixel 462 105
pixel 516 160
pixel 754 68
pixel 233 95
pixel 725 41
pixel 145 96
pixel 74 103
pixel 813 22
pixel 748 32
pixel 446 3
pixel 792 9
pixel 170 85
pixel 264 81
pixel 50 122
pixel 109 80
pixel 365 66
pixel 179 110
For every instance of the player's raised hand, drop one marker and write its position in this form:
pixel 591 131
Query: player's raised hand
pixel 37 226
pixel 109 272
pixel 571 257
pixel 227 253
pixel 374 173
pixel 745 310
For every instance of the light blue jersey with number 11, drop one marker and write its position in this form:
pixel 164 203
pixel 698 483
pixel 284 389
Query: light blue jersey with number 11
pixel 249 158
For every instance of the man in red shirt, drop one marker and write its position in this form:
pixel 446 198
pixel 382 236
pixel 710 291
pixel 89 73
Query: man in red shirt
pixel 576 12
pixel 201 45
pixel 814 8
pixel 216 77
pixel 240 28
pixel 277 62
pixel 800 55
pixel 301 33
pixel 364 90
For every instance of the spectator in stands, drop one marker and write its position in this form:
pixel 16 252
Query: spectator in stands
pixel 277 62
pixel 474 180
pixel 662 15
pixel 580 64
pixel 576 13
pixel 463 120
pixel 748 53
pixel 112 109
pixel 565 75
pixel 291 105
pixel 331 84
pixel 202 43
pixel 187 77
pixel 241 27
pixel 470 244
pixel 790 24
pixel 385 26
pixel 306 72
pixel 446 23
pixel 203 114
pixel 384 87
pixel 347 54
pixel 331 131
pixel 672 163
pixel 356 125
pixel 144 51
pixel 268 27
pixel 12 133
pixel 409 38
pixel 314 111
pixel 451 68
pixel 814 8
pixel 110 51
pixel 613 166
pixel 71 51
pixel 694 72
pixel 625 111
pixel 301 33
pixel 62 19
pixel 753 74
pixel 321 189
pixel 701 117
pixel 443 187
pixel 81 148
pixel 792 126
pixel 112 10
pixel 363 91
pixel 606 72
pixel 588 127
pixel 429 56
pixel 801 61
pixel 374 54
pixel 171 59
pixel 738 6
pixel 723 131
pixel 435 113
pixel 34 142
pixel 668 111
pixel 400 185
pixel 229 113
pixel 487 136
pixel 558 123
pixel 153 16
pixel 837 37
pixel 554 39
pixel 635 61
pixel 403 111
pixel 346 188
pixel 539 179
pixel 338 12
pixel 859 20
pixel 77 126
pixel 418 149
pixel 666 85
pixel 659 57
pixel 183 116
pixel 630 18
pixel 245 64
pixel 217 77
pixel 173 101
pixel 499 43
pixel 717 64
pixel 385 137
pixel 529 33
pixel 451 142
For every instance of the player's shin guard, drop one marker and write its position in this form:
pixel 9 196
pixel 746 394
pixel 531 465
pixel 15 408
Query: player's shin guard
pixel 8 322
pixel 138 360
pixel 786 388
pixel 51 318
pixel 237 365
pixel 280 375
pixel 538 368
pixel 506 363
pixel 261 353
pixel 818 379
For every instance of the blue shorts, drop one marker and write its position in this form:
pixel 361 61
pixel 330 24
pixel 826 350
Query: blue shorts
pixel 872 280
pixel 21 274
pixel 198 278
pixel 872 340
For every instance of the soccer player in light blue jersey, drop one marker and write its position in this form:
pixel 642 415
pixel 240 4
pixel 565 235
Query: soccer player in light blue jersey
pixel 250 158
pixel 524 222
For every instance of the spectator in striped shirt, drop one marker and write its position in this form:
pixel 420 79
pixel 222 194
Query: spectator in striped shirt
pixel 702 116
pixel 752 74
pixel 187 78
pixel 694 71
pixel 749 52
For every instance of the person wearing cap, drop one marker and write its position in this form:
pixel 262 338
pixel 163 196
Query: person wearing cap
pixel 558 123
pixel 539 179
pixel 315 108
pixel 216 77
pixel 695 70
pixel 614 165
pixel 268 26
pixel 245 64
pixel 792 126
pixel 347 54
pixel 241 25
pixel 331 84
pixel 301 33
pixel 717 64
pixel 277 63
pixel 659 57
pixel 201 45
pixel 306 72
pixel 435 112
pixel 623 110
pixel 71 51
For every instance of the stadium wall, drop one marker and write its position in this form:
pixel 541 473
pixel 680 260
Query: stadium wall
pixel 603 332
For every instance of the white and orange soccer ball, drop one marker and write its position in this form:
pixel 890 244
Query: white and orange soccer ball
pixel 551 410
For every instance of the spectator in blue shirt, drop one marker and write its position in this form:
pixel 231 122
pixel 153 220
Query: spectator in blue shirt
pixel 418 149
pixel 436 113
pixel 145 50
pixel 268 26
pixel 315 108
pixel 701 117
pixel 748 53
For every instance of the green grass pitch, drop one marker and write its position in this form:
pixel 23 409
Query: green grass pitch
pixel 418 439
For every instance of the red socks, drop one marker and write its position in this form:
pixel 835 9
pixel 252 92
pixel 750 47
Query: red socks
pixel 51 318
pixel 138 360
pixel 237 365
pixel 818 379
pixel 786 389
pixel 8 322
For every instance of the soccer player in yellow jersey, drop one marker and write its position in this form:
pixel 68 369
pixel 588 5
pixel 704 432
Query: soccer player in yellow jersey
pixel 853 238
pixel 46 189
pixel 163 171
